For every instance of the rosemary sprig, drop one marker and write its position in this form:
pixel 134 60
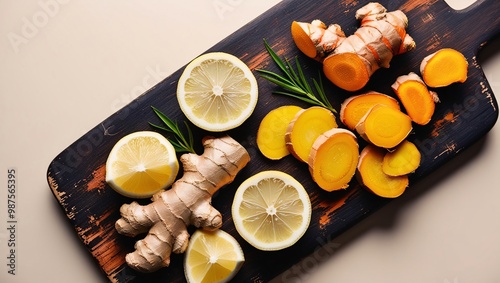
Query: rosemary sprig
pixel 295 83
pixel 181 143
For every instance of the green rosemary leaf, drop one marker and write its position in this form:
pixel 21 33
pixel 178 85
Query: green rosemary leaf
pixel 276 77
pixel 158 127
pixel 181 144
pixel 285 85
pixel 177 146
pixel 190 141
pixel 319 86
pixel 303 78
pixel 322 95
pixel 277 59
pixel 303 98
pixel 295 82
pixel 172 127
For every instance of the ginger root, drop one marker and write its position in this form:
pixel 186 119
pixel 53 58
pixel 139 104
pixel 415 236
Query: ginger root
pixel 186 203
pixel 349 62
pixel 417 99
pixel 444 67
pixel 316 40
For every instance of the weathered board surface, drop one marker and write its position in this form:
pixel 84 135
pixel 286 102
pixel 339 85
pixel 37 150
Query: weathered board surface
pixel 466 113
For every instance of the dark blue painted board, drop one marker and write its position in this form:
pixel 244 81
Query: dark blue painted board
pixel 466 113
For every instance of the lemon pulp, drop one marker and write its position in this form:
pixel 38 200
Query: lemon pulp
pixel 141 164
pixel 217 91
pixel 212 257
pixel 271 210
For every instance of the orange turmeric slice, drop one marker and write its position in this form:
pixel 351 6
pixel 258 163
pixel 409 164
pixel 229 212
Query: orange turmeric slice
pixel 384 126
pixel 272 129
pixel 444 67
pixel 371 175
pixel 355 107
pixel 417 100
pixel 347 70
pixel 333 159
pixel 403 160
pixel 301 33
pixel 306 126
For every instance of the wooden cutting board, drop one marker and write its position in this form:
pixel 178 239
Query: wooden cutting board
pixel 466 113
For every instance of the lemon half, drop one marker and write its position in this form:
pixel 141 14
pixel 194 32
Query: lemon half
pixel 271 210
pixel 212 257
pixel 141 164
pixel 217 92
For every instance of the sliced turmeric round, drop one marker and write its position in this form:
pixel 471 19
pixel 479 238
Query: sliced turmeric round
pixel 416 98
pixel 371 175
pixel 333 159
pixel 305 128
pixel 403 160
pixel 346 70
pixel 384 126
pixel 272 129
pixel 355 107
pixel 303 40
pixel 444 67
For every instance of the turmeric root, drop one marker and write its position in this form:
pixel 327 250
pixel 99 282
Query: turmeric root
pixel 371 175
pixel 444 67
pixel 355 107
pixel 305 127
pixel 418 101
pixel 403 160
pixel 186 203
pixel 272 129
pixel 354 59
pixel 333 159
pixel 315 40
pixel 384 126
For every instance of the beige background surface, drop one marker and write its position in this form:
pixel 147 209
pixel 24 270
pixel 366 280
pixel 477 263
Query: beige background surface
pixel 74 63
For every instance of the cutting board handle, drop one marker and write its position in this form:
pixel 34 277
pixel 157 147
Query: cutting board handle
pixel 481 21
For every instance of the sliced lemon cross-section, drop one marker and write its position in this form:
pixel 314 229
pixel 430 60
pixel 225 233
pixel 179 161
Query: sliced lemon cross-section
pixel 212 257
pixel 141 164
pixel 217 91
pixel 271 210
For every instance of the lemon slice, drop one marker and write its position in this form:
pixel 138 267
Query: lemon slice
pixel 217 92
pixel 212 257
pixel 271 210
pixel 141 164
